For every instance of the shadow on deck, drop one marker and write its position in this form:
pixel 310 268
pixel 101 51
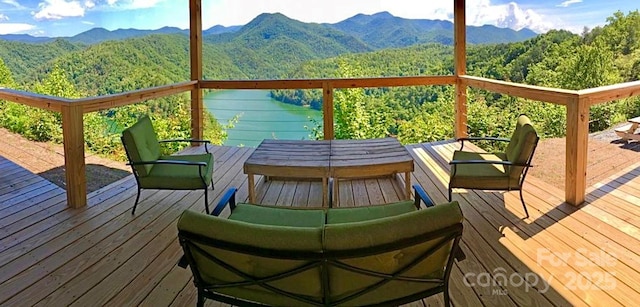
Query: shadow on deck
pixel 101 254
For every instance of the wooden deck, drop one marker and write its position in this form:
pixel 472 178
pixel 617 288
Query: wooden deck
pixel 51 255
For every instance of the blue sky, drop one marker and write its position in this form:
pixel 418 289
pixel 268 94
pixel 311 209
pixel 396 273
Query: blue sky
pixel 70 17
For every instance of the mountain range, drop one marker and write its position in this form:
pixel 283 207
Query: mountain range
pixel 380 30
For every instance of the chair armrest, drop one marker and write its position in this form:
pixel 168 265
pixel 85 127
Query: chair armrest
pixel 499 162
pixel 176 162
pixel 421 195
pixel 187 140
pixel 229 197
pixel 480 138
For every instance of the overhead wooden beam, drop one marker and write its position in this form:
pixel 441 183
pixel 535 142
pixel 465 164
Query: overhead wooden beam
pixel 460 66
pixel 197 105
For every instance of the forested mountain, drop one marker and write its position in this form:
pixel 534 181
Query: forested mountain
pixel 98 35
pixel 383 30
pixel 23 59
pixel 273 46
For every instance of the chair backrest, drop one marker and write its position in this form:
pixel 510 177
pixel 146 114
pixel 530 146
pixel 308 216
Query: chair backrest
pixel 141 144
pixel 387 260
pixel 522 145
pixel 416 245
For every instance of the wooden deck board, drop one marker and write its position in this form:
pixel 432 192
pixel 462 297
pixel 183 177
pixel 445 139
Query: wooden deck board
pixel 51 255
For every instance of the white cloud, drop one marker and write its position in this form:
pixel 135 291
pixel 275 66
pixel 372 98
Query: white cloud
pixel 12 2
pixel 508 15
pixel 58 9
pixel 568 2
pixel 9 28
pixel 4 17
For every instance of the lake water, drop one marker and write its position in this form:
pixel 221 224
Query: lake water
pixel 260 117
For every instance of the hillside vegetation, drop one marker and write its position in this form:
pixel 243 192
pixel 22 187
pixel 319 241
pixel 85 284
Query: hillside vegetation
pixel 273 46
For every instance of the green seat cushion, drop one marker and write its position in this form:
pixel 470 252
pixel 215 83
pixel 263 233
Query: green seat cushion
pixel 141 143
pixel 278 216
pixel 359 214
pixel 480 176
pixel 179 177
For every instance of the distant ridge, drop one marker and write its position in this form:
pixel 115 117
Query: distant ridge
pixel 380 30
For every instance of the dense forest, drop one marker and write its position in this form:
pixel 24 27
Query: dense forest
pixel 273 46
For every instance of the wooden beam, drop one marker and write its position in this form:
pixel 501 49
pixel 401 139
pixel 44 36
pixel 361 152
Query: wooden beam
pixel 74 164
pixel 34 100
pixel 609 93
pixel 538 93
pixel 577 146
pixel 327 110
pixel 337 83
pixel 197 106
pixel 460 67
pixel 117 100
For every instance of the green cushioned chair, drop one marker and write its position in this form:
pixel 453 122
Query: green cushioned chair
pixel 496 171
pixel 265 255
pixel 155 171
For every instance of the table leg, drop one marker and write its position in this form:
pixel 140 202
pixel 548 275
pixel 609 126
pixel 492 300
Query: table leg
pixel 325 192
pixel 252 189
pixel 336 191
pixel 407 184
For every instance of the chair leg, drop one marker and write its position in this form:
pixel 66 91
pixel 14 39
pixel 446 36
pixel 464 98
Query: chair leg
pixel 206 200
pixel 200 302
pixel 447 299
pixel 450 194
pixel 523 204
pixel 136 203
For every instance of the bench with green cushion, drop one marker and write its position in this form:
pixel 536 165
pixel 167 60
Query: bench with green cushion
pixel 166 172
pixel 387 254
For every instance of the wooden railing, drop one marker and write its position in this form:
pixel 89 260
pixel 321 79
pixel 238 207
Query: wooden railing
pixel 576 102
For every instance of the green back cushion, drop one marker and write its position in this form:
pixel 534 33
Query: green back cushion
pixel 278 216
pixel 522 144
pixel 359 214
pixel 142 144
pixel 373 233
pixel 258 236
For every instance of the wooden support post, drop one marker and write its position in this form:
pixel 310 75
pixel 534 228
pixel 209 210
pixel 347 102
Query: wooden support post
pixel 73 139
pixel 577 146
pixel 460 66
pixel 197 106
pixel 327 110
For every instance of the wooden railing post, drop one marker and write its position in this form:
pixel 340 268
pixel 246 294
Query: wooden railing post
pixel 577 146
pixel 460 66
pixel 197 105
pixel 73 139
pixel 327 110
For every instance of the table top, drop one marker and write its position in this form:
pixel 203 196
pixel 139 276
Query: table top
pixel 323 159
pixel 375 157
pixel 287 158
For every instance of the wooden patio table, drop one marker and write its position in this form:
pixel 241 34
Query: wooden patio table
pixel 627 132
pixel 337 159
